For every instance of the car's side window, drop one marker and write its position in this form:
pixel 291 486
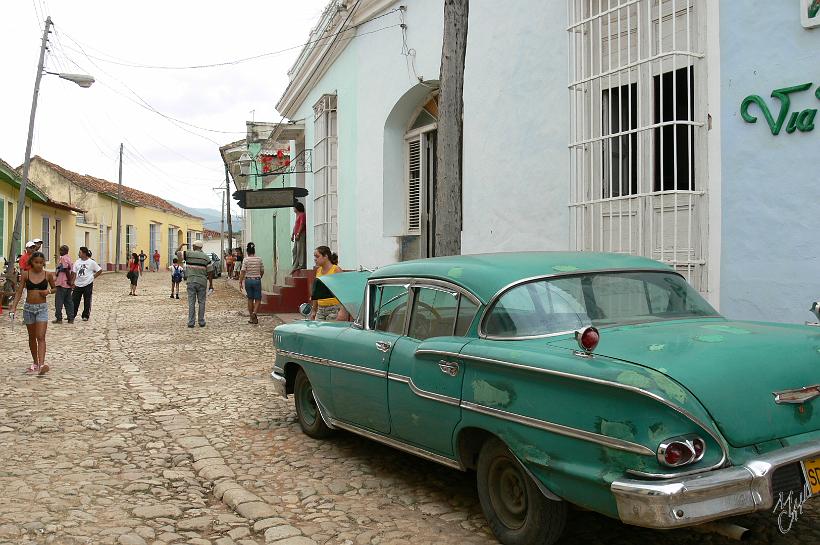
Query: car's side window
pixel 434 313
pixel 466 313
pixel 388 308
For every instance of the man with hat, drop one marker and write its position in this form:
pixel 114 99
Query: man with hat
pixel 199 274
pixel 30 249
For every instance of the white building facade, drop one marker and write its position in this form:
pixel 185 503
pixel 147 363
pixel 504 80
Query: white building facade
pixel 592 125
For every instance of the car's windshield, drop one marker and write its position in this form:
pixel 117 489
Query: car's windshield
pixel 567 303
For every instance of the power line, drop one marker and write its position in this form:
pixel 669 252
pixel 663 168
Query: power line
pixel 129 64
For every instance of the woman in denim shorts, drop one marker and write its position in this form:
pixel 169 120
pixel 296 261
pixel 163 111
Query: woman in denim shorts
pixel 250 280
pixel 39 284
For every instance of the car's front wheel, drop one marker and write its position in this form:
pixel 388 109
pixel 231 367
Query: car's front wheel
pixel 307 411
pixel 517 511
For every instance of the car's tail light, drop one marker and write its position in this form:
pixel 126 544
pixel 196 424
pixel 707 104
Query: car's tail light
pixel 679 451
pixel 588 338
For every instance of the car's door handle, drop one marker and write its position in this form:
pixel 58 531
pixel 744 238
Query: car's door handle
pixel 448 367
pixel 383 346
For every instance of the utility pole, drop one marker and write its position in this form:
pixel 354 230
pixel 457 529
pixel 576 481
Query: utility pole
pixel 448 199
pixel 228 208
pixel 119 215
pixel 14 247
pixel 222 231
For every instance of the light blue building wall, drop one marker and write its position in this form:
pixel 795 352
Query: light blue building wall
pixel 770 257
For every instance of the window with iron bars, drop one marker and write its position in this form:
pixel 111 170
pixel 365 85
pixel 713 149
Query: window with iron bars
pixel 325 196
pixel 637 132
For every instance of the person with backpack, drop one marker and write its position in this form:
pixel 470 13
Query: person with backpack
pixel 176 277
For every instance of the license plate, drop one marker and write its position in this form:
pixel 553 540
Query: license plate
pixel 812 469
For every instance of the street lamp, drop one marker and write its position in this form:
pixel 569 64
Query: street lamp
pixel 82 80
pixel 245 161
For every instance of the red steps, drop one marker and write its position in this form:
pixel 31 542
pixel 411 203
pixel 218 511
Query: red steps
pixel 288 297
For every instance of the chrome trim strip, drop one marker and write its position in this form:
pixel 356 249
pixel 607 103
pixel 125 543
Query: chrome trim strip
pixel 605 440
pixel 322 411
pixel 797 396
pixel 279 384
pixel 430 282
pixel 717 438
pixel 447 400
pixel 333 363
pixel 398 444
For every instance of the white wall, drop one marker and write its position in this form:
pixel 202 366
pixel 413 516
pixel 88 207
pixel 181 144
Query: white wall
pixel 516 123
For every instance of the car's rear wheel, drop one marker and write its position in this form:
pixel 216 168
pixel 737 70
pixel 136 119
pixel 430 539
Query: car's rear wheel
pixel 307 410
pixel 517 511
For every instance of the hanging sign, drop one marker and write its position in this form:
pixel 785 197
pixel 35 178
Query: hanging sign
pixel 275 197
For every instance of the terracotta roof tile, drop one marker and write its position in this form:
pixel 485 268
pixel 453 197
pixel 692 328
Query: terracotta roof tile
pixel 98 185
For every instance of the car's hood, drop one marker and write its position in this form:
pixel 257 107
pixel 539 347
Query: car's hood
pixel 733 368
pixel 348 288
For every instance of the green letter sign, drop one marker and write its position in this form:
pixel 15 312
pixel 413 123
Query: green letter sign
pixel 802 121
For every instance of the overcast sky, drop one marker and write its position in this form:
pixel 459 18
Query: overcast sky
pixel 81 129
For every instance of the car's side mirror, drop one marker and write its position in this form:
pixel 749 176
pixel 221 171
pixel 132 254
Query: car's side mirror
pixel 305 309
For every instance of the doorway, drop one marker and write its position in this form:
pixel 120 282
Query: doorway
pixel 58 238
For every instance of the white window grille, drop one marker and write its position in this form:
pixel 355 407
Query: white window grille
pixel 637 133
pixel 325 197
pixel 413 179
pixel 130 240
pixel 103 257
pixel 172 245
pixel 153 239
pixel 46 236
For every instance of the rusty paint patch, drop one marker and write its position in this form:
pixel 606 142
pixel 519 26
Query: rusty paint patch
pixel 657 432
pixel 619 430
pixel 710 338
pixel 484 392
pixel 656 347
pixel 565 268
pixel 633 378
pixel 670 388
pixel 455 272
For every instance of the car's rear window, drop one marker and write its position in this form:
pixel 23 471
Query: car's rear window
pixel 568 303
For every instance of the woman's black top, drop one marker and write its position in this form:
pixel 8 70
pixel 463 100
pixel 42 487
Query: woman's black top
pixel 38 286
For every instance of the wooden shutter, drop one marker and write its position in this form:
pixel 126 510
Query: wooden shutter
pixel 414 175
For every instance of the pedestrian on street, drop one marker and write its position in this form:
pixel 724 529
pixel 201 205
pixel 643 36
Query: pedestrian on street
pixel 142 262
pixel 64 278
pixel 229 259
pixel 299 238
pixel 237 268
pixel 250 280
pixel 327 262
pixel 177 274
pixel 39 284
pixel 199 274
pixel 85 271
pixel 22 262
pixel 156 260
pixel 134 272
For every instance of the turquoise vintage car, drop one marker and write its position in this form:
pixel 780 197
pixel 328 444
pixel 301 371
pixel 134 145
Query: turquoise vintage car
pixel 599 380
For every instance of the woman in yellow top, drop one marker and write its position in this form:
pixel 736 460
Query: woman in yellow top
pixel 326 263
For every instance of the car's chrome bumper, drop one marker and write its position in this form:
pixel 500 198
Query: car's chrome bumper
pixel 280 383
pixel 695 499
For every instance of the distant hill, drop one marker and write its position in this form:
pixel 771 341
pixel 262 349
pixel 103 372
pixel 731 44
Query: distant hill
pixel 211 218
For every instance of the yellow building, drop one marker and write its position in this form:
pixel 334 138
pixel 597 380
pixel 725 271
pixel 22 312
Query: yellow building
pixel 148 222
pixel 44 217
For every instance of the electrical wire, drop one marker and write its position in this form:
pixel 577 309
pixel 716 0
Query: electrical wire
pixel 130 64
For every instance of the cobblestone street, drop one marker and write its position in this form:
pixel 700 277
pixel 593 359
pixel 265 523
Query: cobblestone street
pixel 147 432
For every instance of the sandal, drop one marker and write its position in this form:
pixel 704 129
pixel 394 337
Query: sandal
pixel 43 369
pixel 32 369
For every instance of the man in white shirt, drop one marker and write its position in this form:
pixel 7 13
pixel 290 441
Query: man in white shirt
pixel 85 271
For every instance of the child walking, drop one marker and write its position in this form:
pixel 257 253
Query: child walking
pixel 176 278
